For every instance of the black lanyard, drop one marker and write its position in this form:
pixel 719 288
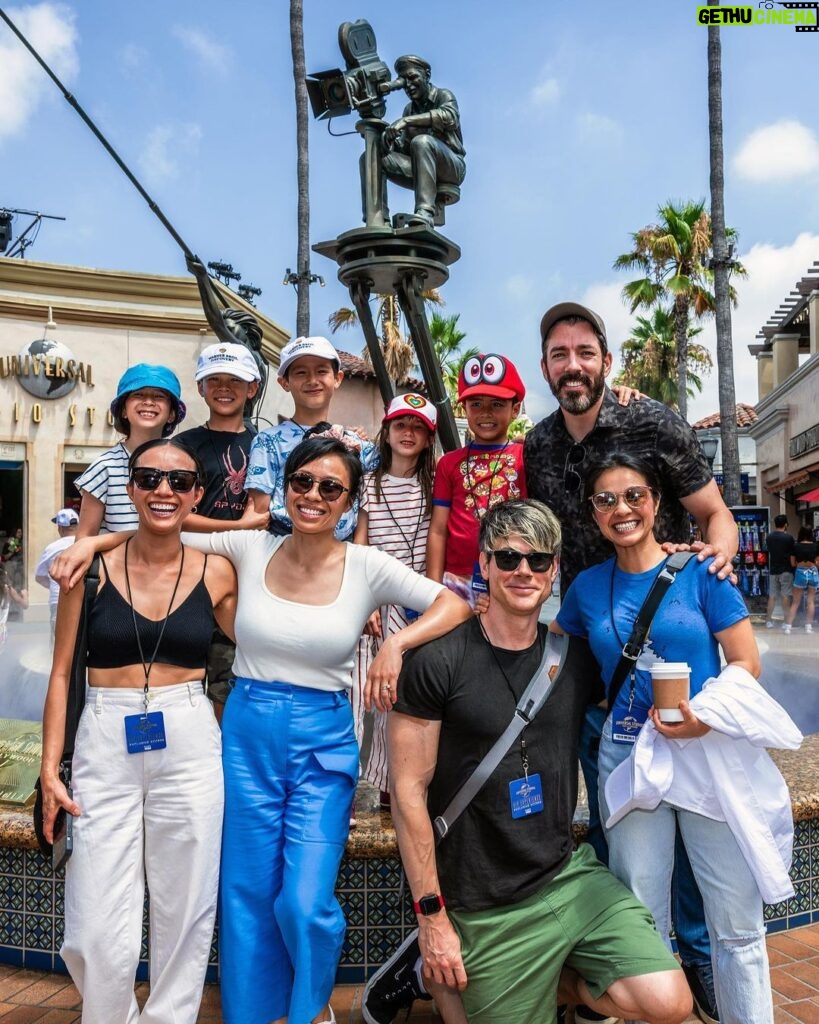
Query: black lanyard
pixel 410 543
pixel 147 666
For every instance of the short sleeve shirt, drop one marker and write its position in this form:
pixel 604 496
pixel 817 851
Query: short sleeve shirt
pixel 265 473
pixel 780 546
pixel 398 520
pixel 645 428
pixel 224 454
pixel 106 479
pixel 488 858
pixel 469 482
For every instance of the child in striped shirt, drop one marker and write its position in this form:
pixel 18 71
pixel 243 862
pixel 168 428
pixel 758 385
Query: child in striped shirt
pixel 394 516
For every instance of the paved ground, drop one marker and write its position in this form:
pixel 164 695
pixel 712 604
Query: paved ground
pixel 32 997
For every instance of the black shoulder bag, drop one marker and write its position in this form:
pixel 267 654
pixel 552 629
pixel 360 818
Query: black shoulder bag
pixel 75 703
pixel 642 624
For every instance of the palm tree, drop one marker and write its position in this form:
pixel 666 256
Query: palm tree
pixel 721 266
pixel 399 356
pixel 671 254
pixel 446 340
pixel 302 170
pixel 649 358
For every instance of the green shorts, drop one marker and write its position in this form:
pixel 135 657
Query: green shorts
pixel 584 918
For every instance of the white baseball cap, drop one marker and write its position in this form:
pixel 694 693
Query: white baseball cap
pixel 298 347
pixel 235 360
pixel 412 405
pixel 66 517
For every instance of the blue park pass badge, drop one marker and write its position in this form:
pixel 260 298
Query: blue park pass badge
pixel 625 728
pixel 526 796
pixel 479 584
pixel 410 614
pixel 145 732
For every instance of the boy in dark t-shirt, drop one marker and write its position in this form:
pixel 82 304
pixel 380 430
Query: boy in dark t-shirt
pixel 227 377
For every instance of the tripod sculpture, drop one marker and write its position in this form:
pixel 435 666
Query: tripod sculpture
pixel 423 151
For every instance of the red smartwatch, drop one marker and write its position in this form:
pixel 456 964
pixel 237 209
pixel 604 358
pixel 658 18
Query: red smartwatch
pixel 429 904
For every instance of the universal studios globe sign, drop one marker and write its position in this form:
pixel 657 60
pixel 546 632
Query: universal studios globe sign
pixel 46 369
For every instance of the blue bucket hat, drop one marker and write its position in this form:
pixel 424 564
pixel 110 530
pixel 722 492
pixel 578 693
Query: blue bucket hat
pixel 148 375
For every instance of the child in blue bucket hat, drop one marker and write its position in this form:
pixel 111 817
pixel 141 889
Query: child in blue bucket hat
pixel 148 405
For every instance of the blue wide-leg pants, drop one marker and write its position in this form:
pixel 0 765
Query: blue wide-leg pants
pixel 291 767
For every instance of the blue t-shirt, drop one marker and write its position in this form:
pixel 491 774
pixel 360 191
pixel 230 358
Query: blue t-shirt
pixel 265 471
pixel 696 606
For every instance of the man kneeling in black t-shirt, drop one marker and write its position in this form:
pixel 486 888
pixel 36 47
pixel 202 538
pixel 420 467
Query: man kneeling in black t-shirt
pixel 508 913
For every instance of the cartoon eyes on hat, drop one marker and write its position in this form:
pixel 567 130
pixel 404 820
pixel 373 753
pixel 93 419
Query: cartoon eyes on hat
pixel 489 369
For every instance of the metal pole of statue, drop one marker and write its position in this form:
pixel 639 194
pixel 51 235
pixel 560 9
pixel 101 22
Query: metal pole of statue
pixel 228 324
pixel 422 151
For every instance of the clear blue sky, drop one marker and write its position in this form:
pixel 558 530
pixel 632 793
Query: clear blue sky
pixel 578 119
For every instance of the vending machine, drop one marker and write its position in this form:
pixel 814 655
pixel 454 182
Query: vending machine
pixel 751 562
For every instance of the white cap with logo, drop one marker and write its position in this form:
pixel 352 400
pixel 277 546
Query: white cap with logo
pixel 412 405
pixel 229 358
pixel 318 347
pixel 66 517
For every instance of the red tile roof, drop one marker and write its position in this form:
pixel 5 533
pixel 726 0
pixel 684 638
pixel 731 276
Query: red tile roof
pixel 746 415
pixel 355 366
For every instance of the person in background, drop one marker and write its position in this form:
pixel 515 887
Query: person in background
pixel 148 405
pixel 66 521
pixel 394 517
pixel 227 378
pixel 805 578
pixel 10 597
pixel 471 480
pixel 780 548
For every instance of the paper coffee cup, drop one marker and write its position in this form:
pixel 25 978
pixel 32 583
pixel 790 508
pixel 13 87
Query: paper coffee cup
pixel 670 682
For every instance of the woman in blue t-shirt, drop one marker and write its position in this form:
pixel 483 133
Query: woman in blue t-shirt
pixel 698 616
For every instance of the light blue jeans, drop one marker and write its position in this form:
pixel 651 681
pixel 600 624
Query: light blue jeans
pixel 641 854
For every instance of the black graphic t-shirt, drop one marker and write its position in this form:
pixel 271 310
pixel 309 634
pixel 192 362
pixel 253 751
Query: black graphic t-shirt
pixel 225 457
pixel 645 428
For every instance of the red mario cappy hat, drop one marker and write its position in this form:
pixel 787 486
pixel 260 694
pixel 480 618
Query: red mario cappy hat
pixel 491 375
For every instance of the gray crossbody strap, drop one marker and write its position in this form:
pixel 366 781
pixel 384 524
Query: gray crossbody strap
pixel 530 703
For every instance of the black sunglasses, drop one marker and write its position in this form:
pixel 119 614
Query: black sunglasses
pixel 571 478
pixel 635 497
pixel 508 560
pixel 303 483
pixel 179 480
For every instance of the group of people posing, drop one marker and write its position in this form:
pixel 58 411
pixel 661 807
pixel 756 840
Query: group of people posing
pixel 447 568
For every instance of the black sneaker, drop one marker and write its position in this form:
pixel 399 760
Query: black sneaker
pixel 395 985
pixel 700 980
pixel 585 1015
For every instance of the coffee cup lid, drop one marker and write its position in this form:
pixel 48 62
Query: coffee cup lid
pixel 670 669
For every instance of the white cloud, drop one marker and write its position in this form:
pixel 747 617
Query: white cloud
pixel 167 146
pixel 546 92
pixel 214 55
pixel 23 83
pixel 598 128
pixel 132 58
pixel 519 286
pixel 778 152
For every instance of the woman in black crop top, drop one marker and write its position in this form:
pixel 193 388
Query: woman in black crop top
pixel 805 579
pixel 147 792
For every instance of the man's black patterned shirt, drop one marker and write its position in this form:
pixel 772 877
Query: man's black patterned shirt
pixel 645 428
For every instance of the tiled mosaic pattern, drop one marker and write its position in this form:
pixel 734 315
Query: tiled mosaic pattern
pixel 375 901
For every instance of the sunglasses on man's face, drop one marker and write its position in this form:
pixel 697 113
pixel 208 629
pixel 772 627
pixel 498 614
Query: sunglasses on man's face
pixel 634 497
pixel 181 481
pixel 508 560
pixel 303 483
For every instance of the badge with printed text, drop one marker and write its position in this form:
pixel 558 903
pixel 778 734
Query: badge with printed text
pixel 479 584
pixel 626 728
pixel 145 732
pixel 526 796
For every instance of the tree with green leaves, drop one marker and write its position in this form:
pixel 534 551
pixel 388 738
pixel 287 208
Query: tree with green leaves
pixel 672 256
pixel 446 340
pixel 649 358
pixel 399 356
